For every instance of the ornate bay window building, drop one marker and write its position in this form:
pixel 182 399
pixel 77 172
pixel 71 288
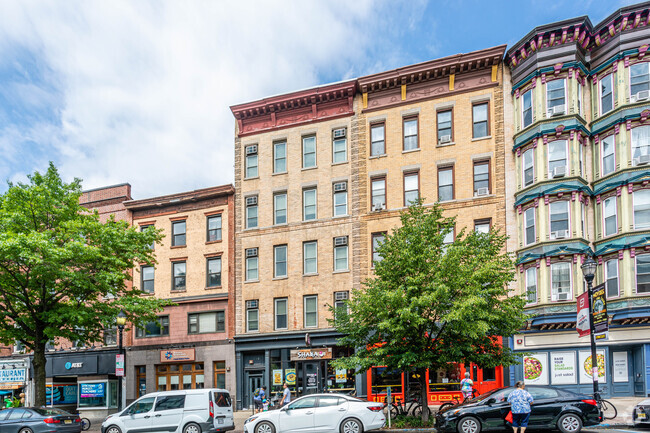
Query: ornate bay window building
pixel 579 185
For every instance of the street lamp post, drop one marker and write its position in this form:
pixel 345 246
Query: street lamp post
pixel 589 270
pixel 121 321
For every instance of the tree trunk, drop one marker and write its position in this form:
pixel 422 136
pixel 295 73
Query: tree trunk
pixel 424 398
pixel 39 374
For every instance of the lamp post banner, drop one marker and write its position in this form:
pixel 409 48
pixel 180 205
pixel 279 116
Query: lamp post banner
pixel 582 322
pixel 599 302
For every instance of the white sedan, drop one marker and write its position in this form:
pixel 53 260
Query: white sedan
pixel 319 413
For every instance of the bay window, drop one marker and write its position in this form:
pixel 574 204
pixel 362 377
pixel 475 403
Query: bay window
pixel 529 167
pixel 610 225
pixel 561 281
pixel 529 226
pixel 643 273
pixel 611 278
pixel 608 155
pixel 641 145
pixel 557 158
pixel 556 97
pixel 559 219
pixel 639 81
pixel 641 199
pixel 527 109
pixel 531 285
pixel 606 94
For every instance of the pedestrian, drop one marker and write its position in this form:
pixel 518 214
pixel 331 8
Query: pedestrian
pixel 258 396
pixel 466 387
pixel 520 401
pixel 286 395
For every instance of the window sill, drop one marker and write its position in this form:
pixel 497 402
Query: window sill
pixel 213 242
pixel 344 271
pixel 309 168
pixel 483 196
pixel 151 336
pixel 251 228
pixel 280 173
pixel 487 137
pixel 208 332
pixel 340 216
pixel 310 275
pixel 411 150
pixel 251 281
pixel 213 287
pixel 378 156
pixel 280 225
pixel 147 294
pixel 173 247
pixel 251 178
pixel 253 332
pixel 179 291
pixel 451 143
pixel 340 163
pixel 280 278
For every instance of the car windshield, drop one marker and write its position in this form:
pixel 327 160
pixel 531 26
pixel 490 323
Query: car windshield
pixel 485 396
pixel 46 411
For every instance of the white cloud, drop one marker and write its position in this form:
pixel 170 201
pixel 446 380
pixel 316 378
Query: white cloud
pixel 143 88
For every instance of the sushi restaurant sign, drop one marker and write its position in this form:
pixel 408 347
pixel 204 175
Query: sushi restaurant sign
pixel 311 354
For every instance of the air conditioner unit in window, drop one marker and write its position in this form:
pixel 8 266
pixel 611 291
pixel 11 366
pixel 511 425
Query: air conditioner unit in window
pixel 340 296
pixel 481 191
pixel 251 252
pixel 251 150
pixel 340 186
pixel 559 171
pixel 339 133
pixel 444 139
pixel 642 160
pixel 251 201
pixel 560 234
pixel 640 96
pixel 340 241
pixel 557 110
pixel 251 304
pixel 562 296
pixel 379 206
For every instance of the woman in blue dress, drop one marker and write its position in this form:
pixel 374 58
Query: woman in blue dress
pixel 520 401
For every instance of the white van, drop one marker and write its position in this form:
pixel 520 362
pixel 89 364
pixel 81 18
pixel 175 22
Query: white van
pixel 182 411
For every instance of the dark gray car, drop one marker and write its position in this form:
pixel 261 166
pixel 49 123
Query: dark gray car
pixel 38 420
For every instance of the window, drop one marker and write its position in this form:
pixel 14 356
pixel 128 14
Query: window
pixel 340 194
pixel 561 281
pixel 280 157
pixel 610 226
pixel 556 97
pixel 280 208
pixel 280 261
pixel 449 238
pixel 557 158
pixel 251 264
pixel 281 313
pixel 339 146
pixel 639 80
pixel 222 399
pixel 377 239
pixel 157 328
pixel 529 166
pixel 251 162
pixel 481 178
pixel 531 285
pixel 641 200
pixel 559 211
pixel 110 337
pixel 214 228
pixel 641 145
pixel 145 227
pixel 581 157
pixel 341 253
pixel 482 226
pixel 311 311
pixel 168 402
pixel 445 183
pixel 201 323
pixel 178 233
pixel 606 94
pixel 411 188
pixel 445 130
pixel 611 278
pixel 251 212
pixel 310 257
pixel 410 126
pixel 643 273
pixel 527 109
pixel 377 139
pixel 214 272
pixel 579 86
pixel 309 204
pixel 607 152
pixel 147 276
pixel 529 224
pixel 309 151
pixel 378 192
pixel 583 219
pixel 303 403
pixel 340 302
pixel 178 269
pixel 252 316
pixel 480 120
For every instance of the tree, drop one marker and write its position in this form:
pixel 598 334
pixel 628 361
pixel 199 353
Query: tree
pixel 432 304
pixel 63 273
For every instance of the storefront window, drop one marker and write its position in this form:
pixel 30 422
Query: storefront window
pixel 98 394
pixel 220 374
pixel 445 379
pixel 173 377
pixel 383 378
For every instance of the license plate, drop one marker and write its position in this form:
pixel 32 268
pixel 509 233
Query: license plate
pixel 219 420
pixel 641 415
pixel 67 421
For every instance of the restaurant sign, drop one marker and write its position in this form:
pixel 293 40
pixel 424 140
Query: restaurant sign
pixel 176 355
pixel 12 378
pixel 311 354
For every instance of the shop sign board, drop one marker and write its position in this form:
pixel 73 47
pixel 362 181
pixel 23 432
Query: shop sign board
pixel 563 368
pixel 599 306
pixel 619 361
pixel 13 376
pixel 277 377
pixel 341 375
pixel 584 365
pixel 311 354
pixel 290 376
pixel 177 355
pixel 119 365
pixel 582 322
pixel 92 390
pixel 536 369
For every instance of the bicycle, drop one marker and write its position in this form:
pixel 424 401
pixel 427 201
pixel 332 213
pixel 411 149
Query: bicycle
pixel 606 407
pixel 456 401
pixel 85 423
pixel 412 407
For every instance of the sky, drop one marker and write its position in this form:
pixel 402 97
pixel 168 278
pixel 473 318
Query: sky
pixel 139 91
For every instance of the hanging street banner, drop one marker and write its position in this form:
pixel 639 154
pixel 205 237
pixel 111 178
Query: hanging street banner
pixel 599 305
pixel 582 322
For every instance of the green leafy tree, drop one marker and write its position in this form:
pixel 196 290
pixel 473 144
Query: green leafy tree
pixel 431 304
pixel 63 273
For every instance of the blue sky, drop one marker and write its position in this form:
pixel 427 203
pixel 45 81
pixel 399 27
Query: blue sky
pixel 138 91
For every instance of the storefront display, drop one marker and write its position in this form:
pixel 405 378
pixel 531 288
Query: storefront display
pixel 563 368
pixel 585 366
pixel 536 369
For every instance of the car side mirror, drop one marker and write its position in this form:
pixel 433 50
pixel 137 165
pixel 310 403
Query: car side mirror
pixel 284 409
pixel 491 401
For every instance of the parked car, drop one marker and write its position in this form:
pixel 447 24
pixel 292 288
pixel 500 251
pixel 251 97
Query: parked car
pixel 641 413
pixel 552 408
pixel 182 411
pixel 319 413
pixel 38 420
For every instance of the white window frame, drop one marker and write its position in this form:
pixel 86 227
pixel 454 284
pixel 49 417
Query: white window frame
pixel 335 206
pixel 338 250
pixel 523 109
pixel 277 210
pixel 276 159
pixel 248 262
pixel 305 258
pixel 526 227
pixel 275 261
pixel 248 319
pixel 248 218
pixel 583 226
pixel 408 177
pixel 345 147
pixel 526 285
pixel 315 152
pixel 634 144
pixel 605 216
pixel 553 294
pixel 383 141
pixel 566 157
pixel 647 64
pixel 563 80
pixel 531 152
pixel 609 77
pixel 634 199
pixel 275 312
pixel 248 167
pixel 581 162
pixel 305 312
pixel 608 277
pixel 304 205
pixel 568 205
pixel 636 275
pixel 607 140
pixel 579 85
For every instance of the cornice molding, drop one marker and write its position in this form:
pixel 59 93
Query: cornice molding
pixel 180 198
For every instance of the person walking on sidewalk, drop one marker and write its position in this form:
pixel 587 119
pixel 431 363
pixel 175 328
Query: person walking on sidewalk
pixel 466 386
pixel 520 401
pixel 258 396
pixel 286 395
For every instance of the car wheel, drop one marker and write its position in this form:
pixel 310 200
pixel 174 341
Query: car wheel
pixel 25 430
pixel 569 423
pixel 190 428
pixel 469 424
pixel 113 429
pixel 264 427
pixel 351 425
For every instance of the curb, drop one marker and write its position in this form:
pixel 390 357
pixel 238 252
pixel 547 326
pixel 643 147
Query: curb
pixel 410 430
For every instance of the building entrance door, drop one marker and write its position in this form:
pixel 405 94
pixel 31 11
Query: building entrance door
pixel 312 377
pixel 254 382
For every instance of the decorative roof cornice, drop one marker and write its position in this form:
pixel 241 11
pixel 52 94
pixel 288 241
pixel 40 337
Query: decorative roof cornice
pixel 433 69
pixel 179 198
pixel 296 108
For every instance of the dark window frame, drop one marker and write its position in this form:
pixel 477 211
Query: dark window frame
pixel 405 119
pixel 207 271
pixel 479 162
pixel 487 121
pixel 375 125
pixel 453 180
pixel 404 176
pixel 372 197
pixel 175 242
pixel 174 276
pixel 142 279
pixel 451 128
pixel 220 325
